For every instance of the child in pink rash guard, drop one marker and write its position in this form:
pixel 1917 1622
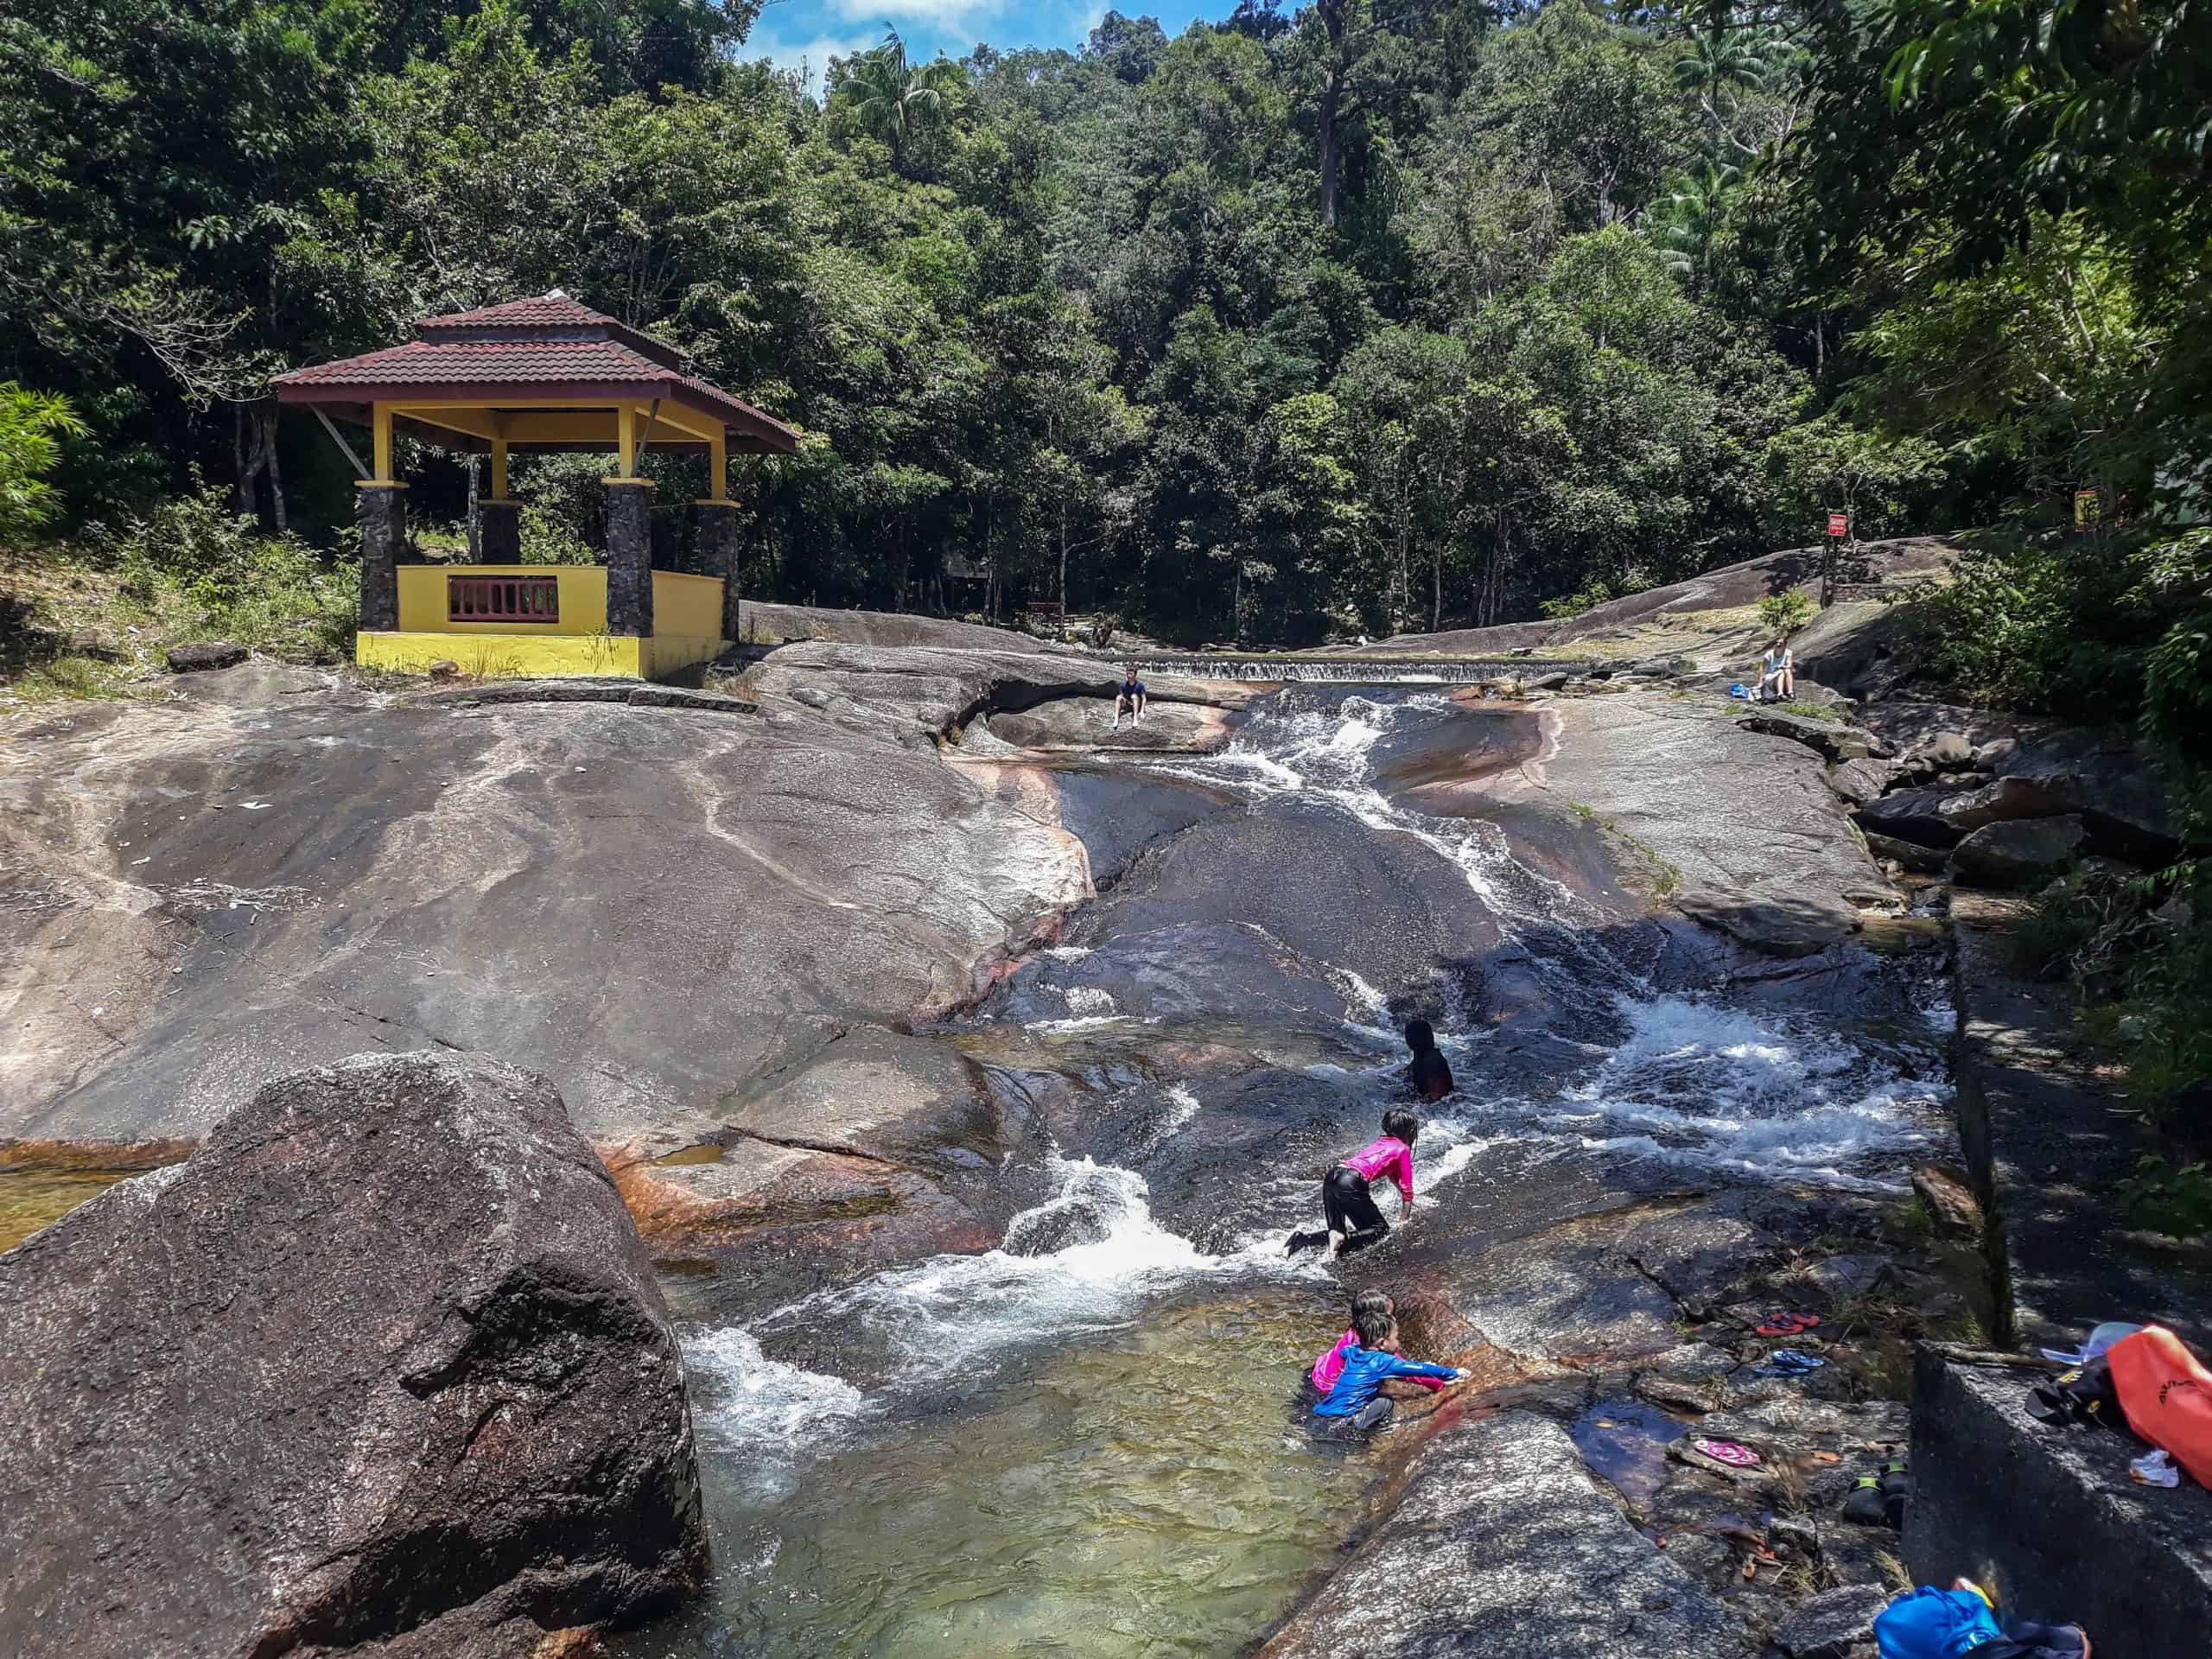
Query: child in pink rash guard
pixel 1331 1365
pixel 1354 1219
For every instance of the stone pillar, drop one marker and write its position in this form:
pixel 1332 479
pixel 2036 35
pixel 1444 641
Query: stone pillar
pixel 499 531
pixel 718 533
pixel 380 510
pixel 629 558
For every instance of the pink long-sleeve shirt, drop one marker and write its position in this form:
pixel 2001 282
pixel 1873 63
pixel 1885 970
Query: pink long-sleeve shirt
pixel 1388 1155
pixel 1331 1366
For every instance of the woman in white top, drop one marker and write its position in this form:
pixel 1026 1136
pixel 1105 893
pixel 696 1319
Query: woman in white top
pixel 1778 671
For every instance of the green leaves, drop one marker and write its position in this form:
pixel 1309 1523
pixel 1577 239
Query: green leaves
pixel 31 425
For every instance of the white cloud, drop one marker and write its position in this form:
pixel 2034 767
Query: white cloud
pixel 810 56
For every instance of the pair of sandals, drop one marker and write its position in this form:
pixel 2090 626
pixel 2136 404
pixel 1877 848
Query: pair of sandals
pixel 1879 1499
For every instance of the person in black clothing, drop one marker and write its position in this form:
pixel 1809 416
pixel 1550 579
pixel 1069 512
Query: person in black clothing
pixel 1430 1074
pixel 1129 696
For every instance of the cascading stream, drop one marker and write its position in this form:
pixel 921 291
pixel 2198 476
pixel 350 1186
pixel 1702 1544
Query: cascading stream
pixel 1082 1441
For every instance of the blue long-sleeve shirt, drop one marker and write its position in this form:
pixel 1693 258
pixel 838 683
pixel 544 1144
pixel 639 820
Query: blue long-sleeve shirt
pixel 1365 1371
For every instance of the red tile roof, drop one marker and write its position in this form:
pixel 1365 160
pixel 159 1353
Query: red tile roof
pixel 556 310
pixel 502 353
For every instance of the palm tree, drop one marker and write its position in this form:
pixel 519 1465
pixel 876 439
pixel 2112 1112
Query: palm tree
pixel 1735 57
pixel 1687 229
pixel 895 99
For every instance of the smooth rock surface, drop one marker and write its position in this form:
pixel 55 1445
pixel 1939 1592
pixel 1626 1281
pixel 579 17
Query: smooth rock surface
pixel 658 908
pixel 2051 1514
pixel 1502 1548
pixel 383 1368
pixel 1744 823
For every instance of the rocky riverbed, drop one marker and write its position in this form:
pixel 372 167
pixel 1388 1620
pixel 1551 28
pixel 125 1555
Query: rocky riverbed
pixel 964 1060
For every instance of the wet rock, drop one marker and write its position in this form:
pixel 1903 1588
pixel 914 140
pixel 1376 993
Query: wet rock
pixel 2018 853
pixel 448 669
pixel 215 654
pixel 1776 925
pixel 2051 1515
pixel 385 1363
pixel 1567 1292
pixel 1502 1547
pixel 1861 780
pixel 1696 1256
pixel 1548 683
pixel 1664 668
pixel 1949 1199
pixel 1826 1626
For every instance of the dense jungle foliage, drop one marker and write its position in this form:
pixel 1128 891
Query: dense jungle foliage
pixel 1351 318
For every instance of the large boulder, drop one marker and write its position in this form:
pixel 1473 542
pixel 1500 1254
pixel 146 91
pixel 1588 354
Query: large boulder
pixel 2051 1514
pixel 384 1369
pixel 1861 780
pixel 1501 1547
pixel 2017 853
pixel 1914 815
pixel 2007 798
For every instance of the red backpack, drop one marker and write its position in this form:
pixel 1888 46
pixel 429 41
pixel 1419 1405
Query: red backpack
pixel 2167 1395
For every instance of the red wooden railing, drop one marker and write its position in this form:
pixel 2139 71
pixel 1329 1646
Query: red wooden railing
pixel 503 599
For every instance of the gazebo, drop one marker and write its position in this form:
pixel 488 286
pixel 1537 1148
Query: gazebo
pixel 546 374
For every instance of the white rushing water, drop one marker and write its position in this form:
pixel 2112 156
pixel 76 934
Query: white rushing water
pixel 1690 1082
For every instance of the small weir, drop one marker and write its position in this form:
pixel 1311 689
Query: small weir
pixel 1360 670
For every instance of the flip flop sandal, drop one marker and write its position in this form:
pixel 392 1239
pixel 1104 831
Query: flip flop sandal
pixel 1728 1452
pixel 1894 1481
pixel 1787 1324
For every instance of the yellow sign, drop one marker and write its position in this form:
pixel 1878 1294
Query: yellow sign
pixel 2085 508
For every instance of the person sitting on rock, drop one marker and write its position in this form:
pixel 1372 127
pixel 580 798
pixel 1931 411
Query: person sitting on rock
pixel 1371 1361
pixel 1330 1365
pixel 1130 696
pixel 1429 1073
pixel 1354 1219
pixel 1778 671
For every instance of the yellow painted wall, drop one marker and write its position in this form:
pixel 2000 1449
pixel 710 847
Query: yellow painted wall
pixel 666 654
pixel 687 622
pixel 511 657
pixel 686 607
pixel 584 599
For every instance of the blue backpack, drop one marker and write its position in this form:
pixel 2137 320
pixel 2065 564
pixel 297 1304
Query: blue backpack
pixel 1931 1624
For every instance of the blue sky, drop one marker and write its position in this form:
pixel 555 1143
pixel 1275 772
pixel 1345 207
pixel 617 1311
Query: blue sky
pixel 792 31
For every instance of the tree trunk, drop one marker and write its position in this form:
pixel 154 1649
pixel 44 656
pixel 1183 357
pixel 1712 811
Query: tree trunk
pixel 1332 91
pixel 249 452
pixel 276 474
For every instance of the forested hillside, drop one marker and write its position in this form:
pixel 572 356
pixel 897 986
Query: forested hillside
pixel 1350 318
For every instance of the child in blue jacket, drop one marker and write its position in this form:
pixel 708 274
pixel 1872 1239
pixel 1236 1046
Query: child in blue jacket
pixel 1369 1364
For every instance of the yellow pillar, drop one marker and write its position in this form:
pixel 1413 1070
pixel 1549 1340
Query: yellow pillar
pixel 625 439
pixel 380 428
pixel 718 464
pixel 498 469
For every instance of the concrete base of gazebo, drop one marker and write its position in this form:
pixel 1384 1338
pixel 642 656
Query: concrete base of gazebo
pixel 507 657
pixel 527 621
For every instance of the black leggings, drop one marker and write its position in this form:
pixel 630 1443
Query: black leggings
pixel 1350 1208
